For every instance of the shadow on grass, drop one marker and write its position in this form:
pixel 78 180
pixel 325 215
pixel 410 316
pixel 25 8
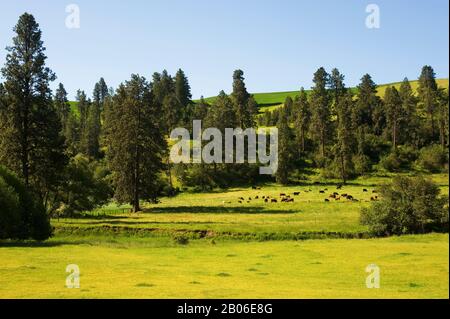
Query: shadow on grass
pixel 38 244
pixel 216 210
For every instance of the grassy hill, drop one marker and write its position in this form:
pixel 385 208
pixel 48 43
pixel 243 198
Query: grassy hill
pixel 272 100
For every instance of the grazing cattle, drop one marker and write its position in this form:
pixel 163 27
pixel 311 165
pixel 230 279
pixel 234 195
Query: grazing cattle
pixel 264 197
pixel 337 198
pixel 266 200
pixel 343 195
pixel 241 198
pixel 257 197
pixel 339 186
pixel 364 190
pixel 350 197
pixel 376 197
pixel 296 193
pixel 273 200
pixel 327 200
pixel 374 191
pixel 249 198
pixel 253 187
pixel 332 196
pixel 322 192
pixel 240 202
pixel 282 194
pixel 336 193
pixel 372 199
pixel 248 202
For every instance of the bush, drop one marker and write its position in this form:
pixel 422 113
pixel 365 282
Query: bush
pixel 86 187
pixel 433 158
pixel 23 216
pixel 362 164
pixel 401 159
pixel 409 205
pixel 9 212
pixel 180 239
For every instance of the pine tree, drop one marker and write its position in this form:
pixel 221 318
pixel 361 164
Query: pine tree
pixel 367 109
pixel 182 88
pixel 30 142
pixel 410 122
pixel 135 143
pixel 427 93
pixel 288 107
pixel 284 149
pixel 62 104
pixel 394 113
pixel 345 145
pixel 443 116
pixel 240 98
pixel 337 86
pixel 320 106
pixel 222 114
pixel 83 109
pixel 302 119
pixel 172 111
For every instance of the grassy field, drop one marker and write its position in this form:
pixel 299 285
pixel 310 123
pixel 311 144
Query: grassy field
pixel 410 267
pixel 235 250
pixel 272 100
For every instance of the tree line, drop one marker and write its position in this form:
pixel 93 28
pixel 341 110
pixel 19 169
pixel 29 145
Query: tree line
pixel 114 144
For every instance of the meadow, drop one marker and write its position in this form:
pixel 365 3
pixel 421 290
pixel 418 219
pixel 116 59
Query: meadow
pixel 308 248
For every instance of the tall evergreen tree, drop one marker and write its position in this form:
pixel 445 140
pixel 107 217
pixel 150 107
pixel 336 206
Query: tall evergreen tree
pixel 284 149
pixel 135 143
pixel 345 145
pixel 62 104
pixel 427 93
pixel 443 116
pixel 30 143
pixel 367 104
pixel 410 133
pixel 302 119
pixel 394 113
pixel 172 111
pixel 337 86
pixel 182 88
pixel 240 98
pixel 320 106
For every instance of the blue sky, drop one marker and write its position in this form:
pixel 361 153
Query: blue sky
pixel 277 43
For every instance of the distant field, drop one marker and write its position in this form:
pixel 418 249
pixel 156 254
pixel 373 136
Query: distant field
pixel 221 215
pixel 270 101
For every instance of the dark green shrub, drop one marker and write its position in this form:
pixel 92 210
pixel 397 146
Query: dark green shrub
pixel 9 210
pixel 30 217
pixel 181 239
pixel 401 159
pixel 433 158
pixel 409 205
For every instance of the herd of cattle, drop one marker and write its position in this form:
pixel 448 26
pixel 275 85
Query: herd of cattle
pixel 288 198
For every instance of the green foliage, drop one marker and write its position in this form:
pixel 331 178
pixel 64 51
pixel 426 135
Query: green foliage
pixel 408 205
pixel 433 158
pixel 86 186
pixel 135 143
pixel 22 215
pixel 31 143
pixel 400 159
